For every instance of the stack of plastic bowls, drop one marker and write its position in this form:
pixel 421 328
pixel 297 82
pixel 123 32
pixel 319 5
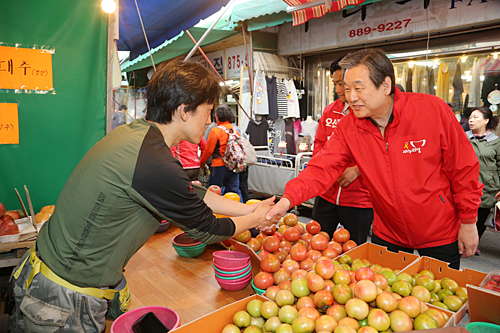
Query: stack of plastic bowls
pixel 233 270
pixel 187 247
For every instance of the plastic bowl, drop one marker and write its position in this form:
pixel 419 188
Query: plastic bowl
pixel 235 273
pixel 234 285
pixel 123 324
pixel 231 269
pixel 236 277
pixel 479 327
pixel 189 251
pixel 231 259
pixel 164 225
pixel 184 240
pixel 257 290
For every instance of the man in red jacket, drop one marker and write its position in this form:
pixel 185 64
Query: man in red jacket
pixel 414 158
pixel 348 201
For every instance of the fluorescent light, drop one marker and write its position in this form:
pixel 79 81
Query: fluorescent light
pixel 109 6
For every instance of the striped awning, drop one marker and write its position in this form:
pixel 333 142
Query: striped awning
pixel 303 15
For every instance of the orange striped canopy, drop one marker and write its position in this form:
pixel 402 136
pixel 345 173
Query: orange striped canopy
pixel 304 15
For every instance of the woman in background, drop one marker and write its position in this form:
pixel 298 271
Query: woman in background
pixel 486 144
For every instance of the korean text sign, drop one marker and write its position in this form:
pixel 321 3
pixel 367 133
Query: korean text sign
pixel 22 68
pixel 9 123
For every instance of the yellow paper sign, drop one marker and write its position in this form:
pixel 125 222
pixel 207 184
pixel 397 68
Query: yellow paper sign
pixel 28 69
pixel 9 123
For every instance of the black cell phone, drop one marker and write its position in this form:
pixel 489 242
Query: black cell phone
pixel 149 323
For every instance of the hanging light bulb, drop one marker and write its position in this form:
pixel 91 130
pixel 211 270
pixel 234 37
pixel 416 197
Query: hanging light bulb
pixel 436 61
pixel 495 55
pixel 464 59
pixel 109 6
pixel 410 64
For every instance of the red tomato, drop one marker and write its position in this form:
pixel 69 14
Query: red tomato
pixel 298 252
pixel 292 234
pixel 270 263
pixel 270 231
pixel 263 280
pixel 271 244
pixel 216 189
pixel 336 246
pixel 290 219
pixel 341 235
pixel 350 244
pixel 313 227
pixel 319 242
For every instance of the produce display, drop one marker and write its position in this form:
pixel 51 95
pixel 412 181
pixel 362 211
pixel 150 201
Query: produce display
pixel 313 289
pixel 7 224
pixel 44 214
pixel 492 281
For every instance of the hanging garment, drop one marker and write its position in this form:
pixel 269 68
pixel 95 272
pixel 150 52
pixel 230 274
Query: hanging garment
pixel 403 76
pixel 475 83
pixel 257 132
pixel 310 127
pixel 279 127
pixel 488 86
pixel 271 135
pixel 260 100
pixel 458 89
pixel 292 100
pixel 443 82
pixel 272 97
pixel 409 81
pixel 430 81
pixel 302 97
pixel 282 100
pixel 290 142
pixel 418 77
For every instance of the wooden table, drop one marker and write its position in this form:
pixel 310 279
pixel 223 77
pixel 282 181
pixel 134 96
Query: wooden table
pixel 11 253
pixel 157 275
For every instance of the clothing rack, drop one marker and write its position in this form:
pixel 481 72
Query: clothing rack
pixel 285 70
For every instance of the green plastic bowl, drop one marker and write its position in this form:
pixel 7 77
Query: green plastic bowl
pixel 257 290
pixel 233 277
pixel 217 270
pixel 191 251
pixel 479 327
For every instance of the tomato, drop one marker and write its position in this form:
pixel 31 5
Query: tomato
pixel 410 305
pixel 386 301
pixel 271 292
pixel 241 319
pixel 278 235
pixel 292 234
pixel 254 244
pixel 299 287
pixel 305 302
pixel 306 237
pixel 230 328
pixel 216 189
pixel 314 255
pixel 280 275
pixel 454 303
pixel 271 244
pixel 306 264
pixel 286 245
pixel 263 280
pixel 281 255
pixel 303 325
pixel 298 252
pixel 269 309
pixel 325 323
pixel 253 307
pixel 364 273
pixel 401 287
pixel 284 297
pixel 272 324
pixel 270 263
pixel 310 312
pixel 244 236
pixel 400 321
pixel 350 244
pixel 323 298
pixel 329 253
pixel 195 182
pixel 290 219
pixel 324 233
pixel 341 235
pixel 336 246
pixel 300 227
pixel 262 254
pixel 357 308
pixel 269 231
pixel 325 268
pixel 421 293
pixel 424 322
pixel 315 283
pixel 319 242
pixel 313 227
pixel 366 290
pixel 342 293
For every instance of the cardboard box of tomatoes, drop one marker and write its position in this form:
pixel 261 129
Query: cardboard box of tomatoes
pixel 484 299
pixel 441 271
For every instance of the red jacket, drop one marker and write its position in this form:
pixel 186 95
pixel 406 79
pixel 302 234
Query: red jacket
pixel 356 194
pixel 422 177
pixel 187 153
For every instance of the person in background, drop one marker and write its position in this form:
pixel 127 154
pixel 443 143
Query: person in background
pixel 422 174
pixel 464 119
pixel 486 144
pixel 216 147
pixel 120 117
pixel 243 176
pixel 187 153
pixel 114 202
pixel 348 201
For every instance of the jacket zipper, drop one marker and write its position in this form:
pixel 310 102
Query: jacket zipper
pixel 395 191
pixel 338 196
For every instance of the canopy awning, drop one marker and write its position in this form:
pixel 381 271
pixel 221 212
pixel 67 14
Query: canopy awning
pixel 179 45
pixel 260 14
pixel 308 9
pixel 162 19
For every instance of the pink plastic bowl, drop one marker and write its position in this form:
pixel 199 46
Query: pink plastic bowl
pixel 123 324
pixel 234 285
pixel 230 259
pixel 227 268
pixel 245 272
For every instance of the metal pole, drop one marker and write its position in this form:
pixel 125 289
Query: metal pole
pixel 190 54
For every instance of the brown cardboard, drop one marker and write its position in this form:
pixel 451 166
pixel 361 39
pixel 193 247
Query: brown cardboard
pixel 441 270
pixel 483 305
pixel 248 250
pixel 377 254
pixel 214 322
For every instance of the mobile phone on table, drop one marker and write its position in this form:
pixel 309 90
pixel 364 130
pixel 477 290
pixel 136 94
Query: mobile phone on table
pixel 149 323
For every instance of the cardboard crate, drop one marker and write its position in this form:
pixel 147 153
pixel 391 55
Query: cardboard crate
pixel 483 303
pixel 441 270
pixel 377 254
pixel 241 247
pixel 214 322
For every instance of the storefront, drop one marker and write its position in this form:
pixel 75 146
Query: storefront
pixel 451 47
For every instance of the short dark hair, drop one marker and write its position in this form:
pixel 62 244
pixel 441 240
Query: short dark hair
pixel 224 113
pixel 122 107
pixel 179 83
pixel 334 66
pixel 377 62
pixel 487 114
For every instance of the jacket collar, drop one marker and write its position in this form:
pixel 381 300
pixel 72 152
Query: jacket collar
pixel 397 109
pixel 488 138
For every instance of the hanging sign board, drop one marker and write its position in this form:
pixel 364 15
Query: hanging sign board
pixel 216 58
pixel 23 68
pixel 9 123
pixel 235 60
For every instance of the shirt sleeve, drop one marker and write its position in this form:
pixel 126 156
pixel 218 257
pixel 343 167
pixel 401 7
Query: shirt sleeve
pixel 320 138
pixel 460 164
